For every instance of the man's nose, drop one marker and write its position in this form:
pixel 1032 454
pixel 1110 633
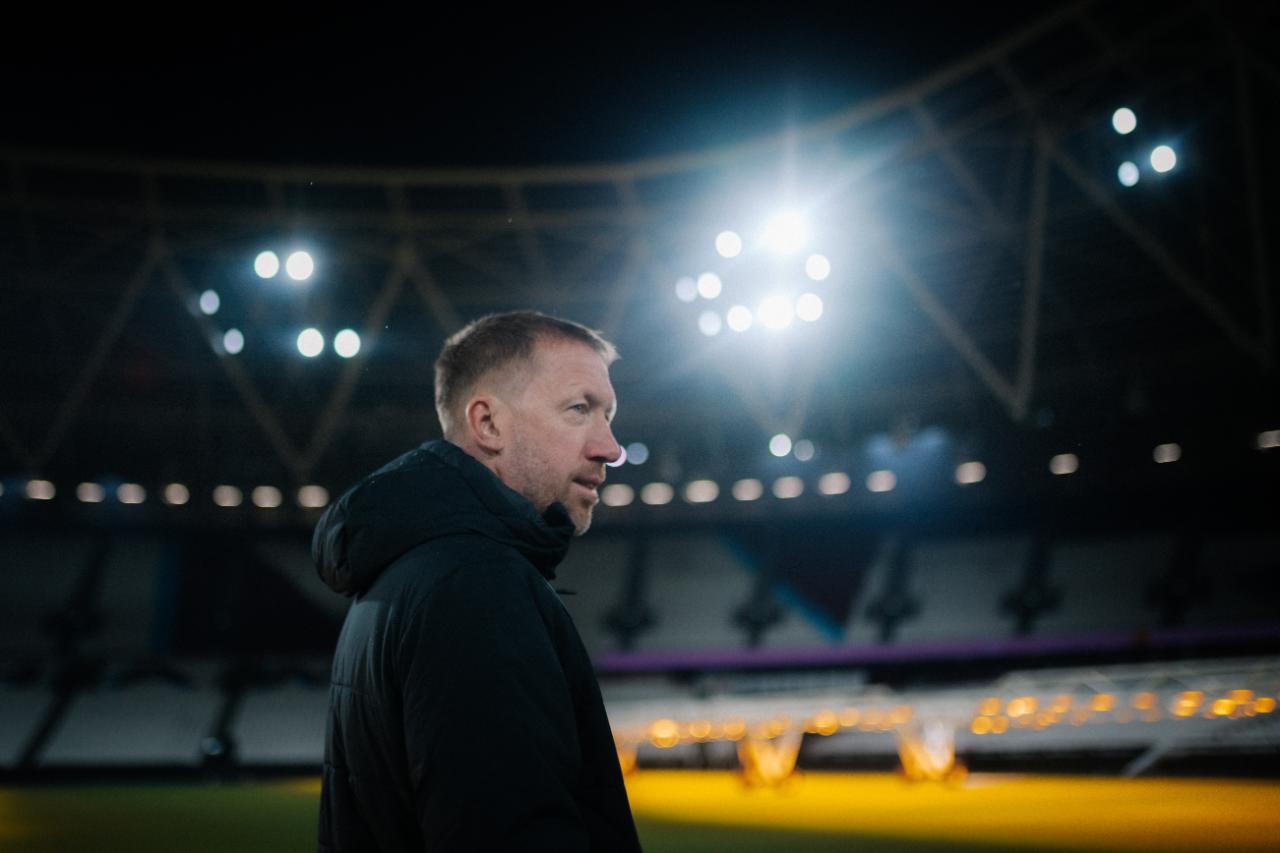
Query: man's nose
pixel 605 447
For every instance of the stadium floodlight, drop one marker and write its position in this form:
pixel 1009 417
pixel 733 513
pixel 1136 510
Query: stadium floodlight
pixel 657 494
pixel 209 303
pixel 780 444
pixel 637 453
pixel 739 318
pixel 747 490
pixel 701 491
pixel 804 450
pixel 1128 173
pixel 728 244
pixel 776 312
pixel 1064 463
pixel 266 265
pixel 686 289
pixel 227 496
pixel 968 473
pixel 233 341
pixel 130 493
pixel 347 343
pixel 1163 158
pixel 881 481
pixel 1269 439
pixel 786 233
pixel 1166 453
pixel 809 307
pixel 785 488
pixel 817 267
pixel 313 497
pixel 1124 121
pixel 310 342
pixel 709 323
pixel 834 483
pixel 176 494
pixel 300 265
pixel 267 497
pixel 617 494
pixel 709 285
pixel 40 490
pixel 90 493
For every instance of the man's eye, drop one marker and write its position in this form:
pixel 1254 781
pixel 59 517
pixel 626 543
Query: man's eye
pixel 580 407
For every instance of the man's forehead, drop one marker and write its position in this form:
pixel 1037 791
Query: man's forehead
pixel 572 364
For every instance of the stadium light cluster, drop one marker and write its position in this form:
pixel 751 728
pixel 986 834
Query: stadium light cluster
pixel 1162 158
pixel 299 265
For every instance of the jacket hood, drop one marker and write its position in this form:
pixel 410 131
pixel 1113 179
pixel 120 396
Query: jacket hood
pixel 432 491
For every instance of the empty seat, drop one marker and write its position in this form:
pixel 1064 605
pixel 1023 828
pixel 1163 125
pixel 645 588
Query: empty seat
pixel 596 573
pixel 694 585
pixel 1105 584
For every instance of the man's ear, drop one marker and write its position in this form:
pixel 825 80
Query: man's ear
pixel 486 422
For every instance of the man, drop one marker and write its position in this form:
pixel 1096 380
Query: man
pixel 464 712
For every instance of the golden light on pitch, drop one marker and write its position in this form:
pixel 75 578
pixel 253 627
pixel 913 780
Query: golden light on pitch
pixel 1102 703
pixel 990 706
pixel 778 725
pixel 664 733
pixel 735 728
pixel 1187 703
pixel 1223 707
pixel 1021 707
pixel 825 723
pixel 1144 701
pixel 900 715
pixel 1264 705
pixel 1061 704
pixel 1045 719
pixel 980 725
pixel 700 729
pixel 849 717
pixel 1240 696
pixel 999 725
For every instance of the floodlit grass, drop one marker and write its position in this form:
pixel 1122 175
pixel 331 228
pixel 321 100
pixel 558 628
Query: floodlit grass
pixel 689 811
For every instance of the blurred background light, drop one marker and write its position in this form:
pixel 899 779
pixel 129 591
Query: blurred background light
pixel 686 289
pixel 1163 158
pixel 1064 463
pixel 621 460
pixel 817 267
pixel 300 266
pixel 709 323
pixel 776 312
pixel 701 491
pixel 130 493
pixel 709 285
pixel 227 496
pixel 780 444
pixel 1124 121
pixel 310 342
pixel 313 497
pixel 968 473
pixel 617 494
pixel 1166 453
pixel 40 490
pixel 834 483
pixel 1128 173
pixel 786 488
pixel 657 494
pixel 347 343
pixel 804 450
pixel 267 497
pixel 739 318
pixel 176 494
pixel 233 341
pixel 786 232
pixel 881 481
pixel 747 490
pixel 728 244
pixel 1269 439
pixel 266 265
pixel 637 453
pixel 90 493
pixel 809 307
pixel 209 303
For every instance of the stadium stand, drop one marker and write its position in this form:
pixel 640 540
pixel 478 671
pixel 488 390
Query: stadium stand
pixel 22 708
pixel 696 583
pixel 282 724
pixel 596 571
pixel 1127 568
pixel 45 573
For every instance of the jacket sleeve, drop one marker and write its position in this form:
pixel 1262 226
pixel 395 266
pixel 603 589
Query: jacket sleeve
pixel 489 722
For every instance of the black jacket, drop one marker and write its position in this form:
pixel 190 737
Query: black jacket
pixel 464 713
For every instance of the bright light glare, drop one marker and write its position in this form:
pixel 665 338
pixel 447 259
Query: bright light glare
pixel 834 483
pixel 1269 439
pixel 817 267
pixel 709 285
pixel 1163 158
pixel 809 307
pixel 313 497
pixel 131 493
pixel 968 473
pixel 701 491
pixel 233 341
pixel 1128 173
pixel 209 303
pixel 780 444
pixel 40 490
pixel 1064 463
pixel 709 323
pixel 728 244
pixel 804 450
pixel 618 494
pixel 227 496
pixel 267 497
pixel 346 343
pixel 686 289
pixel 637 453
pixel 621 460
pixel 657 494
pixel 786 488
pixel 786 233
pixel 881 481
pixel 176 494
pixel 747 490
pixel 299 266
pixel 776 312
pixel 1124 121
pixel 1166 453
pixel 739 318
pixel 90 493
pixel 310 342
pixel 266 265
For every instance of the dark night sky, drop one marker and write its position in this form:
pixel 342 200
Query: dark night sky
pixel 426 91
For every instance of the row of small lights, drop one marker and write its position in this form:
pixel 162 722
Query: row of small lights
pixel 177 494
pixel 993 716
pixel 1162 158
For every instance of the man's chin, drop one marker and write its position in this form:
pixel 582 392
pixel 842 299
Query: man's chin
pixel 581 519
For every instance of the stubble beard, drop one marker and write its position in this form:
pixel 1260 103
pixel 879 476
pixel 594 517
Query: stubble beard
pixel 529 471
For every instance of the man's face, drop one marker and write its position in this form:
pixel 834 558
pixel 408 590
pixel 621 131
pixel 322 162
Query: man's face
pixel 561 438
